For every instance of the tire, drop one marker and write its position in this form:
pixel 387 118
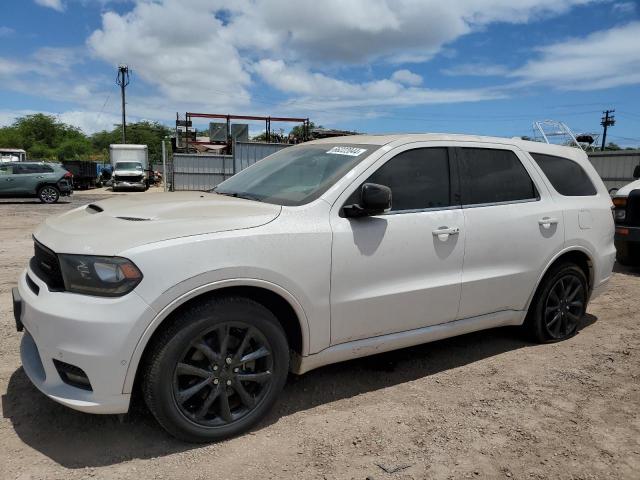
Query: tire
pixel 558 305
pixel 48 194
pixel 203 388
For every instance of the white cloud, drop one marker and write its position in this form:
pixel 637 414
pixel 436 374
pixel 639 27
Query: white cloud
pixel 319 91
pixel 55 4
pixel 624 8
pixel 178 48
pixel 406 77
pixel 363 30
pixel 476 70
pixel 604 59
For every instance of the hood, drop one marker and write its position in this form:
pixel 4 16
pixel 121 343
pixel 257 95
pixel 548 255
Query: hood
pixel 624 191
pixel 108 227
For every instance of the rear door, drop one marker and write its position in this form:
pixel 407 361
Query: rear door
pixel 7 179
pixel 401 270
pixel 513 228
pixel 26 178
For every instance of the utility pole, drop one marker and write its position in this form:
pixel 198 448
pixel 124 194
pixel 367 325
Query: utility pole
pixel 608 120
pixel 123 81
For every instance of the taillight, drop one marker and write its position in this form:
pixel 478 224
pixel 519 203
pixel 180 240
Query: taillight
pixel 68 175
pixel 620 209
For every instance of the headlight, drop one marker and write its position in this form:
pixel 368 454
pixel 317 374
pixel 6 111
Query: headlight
pixel 102 276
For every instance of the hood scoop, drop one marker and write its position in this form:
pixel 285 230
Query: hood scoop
pixel 93 208
pixel 134 219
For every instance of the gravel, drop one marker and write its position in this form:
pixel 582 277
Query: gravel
pixel 484 405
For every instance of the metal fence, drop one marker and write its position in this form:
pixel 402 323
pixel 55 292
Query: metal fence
pixel 191 171
pixel 615 167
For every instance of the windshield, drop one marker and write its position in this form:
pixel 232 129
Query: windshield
pixel 296 175
pixel 128 166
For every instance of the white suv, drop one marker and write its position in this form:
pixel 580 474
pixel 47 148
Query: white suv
pixel 322 252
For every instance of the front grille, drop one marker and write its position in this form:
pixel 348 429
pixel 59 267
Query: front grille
pixel 633 209
pixel 46 266
pixel 129 178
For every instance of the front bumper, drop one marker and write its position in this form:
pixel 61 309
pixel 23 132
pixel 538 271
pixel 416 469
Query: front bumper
pixel 95 334
pixel 130 185
pixel 627 234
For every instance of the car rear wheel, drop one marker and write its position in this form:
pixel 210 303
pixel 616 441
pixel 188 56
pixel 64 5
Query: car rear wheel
pixel 217 370
pixel 48 194
pixel 559 304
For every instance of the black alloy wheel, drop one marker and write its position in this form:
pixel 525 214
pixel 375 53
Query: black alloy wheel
pixel 564 307
pixel 559 304
pixel 216 369
pixel 223 374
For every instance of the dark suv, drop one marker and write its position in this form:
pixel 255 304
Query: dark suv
pixel 47 181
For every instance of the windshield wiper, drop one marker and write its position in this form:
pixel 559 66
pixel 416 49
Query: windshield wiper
pixel 245 195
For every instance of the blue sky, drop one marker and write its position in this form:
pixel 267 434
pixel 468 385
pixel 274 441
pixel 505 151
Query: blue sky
pixel 488 67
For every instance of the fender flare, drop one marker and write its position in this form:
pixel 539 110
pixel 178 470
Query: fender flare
pixel 134 361
pixel 574 248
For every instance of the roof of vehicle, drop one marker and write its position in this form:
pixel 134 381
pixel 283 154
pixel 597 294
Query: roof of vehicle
pixel 127 146
pixel 525 145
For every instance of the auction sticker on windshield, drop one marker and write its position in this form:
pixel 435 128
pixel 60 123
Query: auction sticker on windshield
pixel 350 151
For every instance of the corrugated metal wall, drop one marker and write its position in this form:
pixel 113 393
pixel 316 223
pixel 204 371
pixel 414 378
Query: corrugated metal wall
pixel 200 172
pixel 615 167
pixel 248 153
pixel 205 171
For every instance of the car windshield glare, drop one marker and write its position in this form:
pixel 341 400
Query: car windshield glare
pixel 128 166
pixel 296 175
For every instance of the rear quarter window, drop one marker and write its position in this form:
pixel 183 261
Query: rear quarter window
pixel 566 176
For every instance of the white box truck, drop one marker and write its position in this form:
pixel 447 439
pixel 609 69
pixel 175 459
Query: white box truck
pixel 130 166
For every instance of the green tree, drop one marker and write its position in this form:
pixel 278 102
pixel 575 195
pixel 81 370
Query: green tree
pixel 612 146
pixel 140 133
pixel 297 131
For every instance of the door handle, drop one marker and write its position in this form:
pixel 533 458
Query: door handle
pixel 546 222
pixel 443 232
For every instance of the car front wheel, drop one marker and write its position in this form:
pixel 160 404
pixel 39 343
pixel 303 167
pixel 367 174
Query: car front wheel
pixel 48 194
pixel 559 304
pixel 216 370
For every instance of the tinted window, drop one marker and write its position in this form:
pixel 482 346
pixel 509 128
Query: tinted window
pixel 24 168
pixel 566 176
pixel 417 178
pixel 6 169
pixel 492 176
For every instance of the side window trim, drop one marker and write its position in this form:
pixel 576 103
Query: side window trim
pixel 454 181
pixel 456 160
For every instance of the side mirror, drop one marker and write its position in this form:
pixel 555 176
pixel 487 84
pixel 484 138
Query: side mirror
pixel 636 172
pixel 374 200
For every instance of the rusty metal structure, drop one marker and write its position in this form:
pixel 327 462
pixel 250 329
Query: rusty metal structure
pixel 183 127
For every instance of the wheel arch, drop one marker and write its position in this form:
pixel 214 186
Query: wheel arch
pixel 577 255
pixel 284 306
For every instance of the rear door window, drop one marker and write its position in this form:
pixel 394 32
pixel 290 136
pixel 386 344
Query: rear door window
pixel 493 176
pixel 566 176
pixel 418 179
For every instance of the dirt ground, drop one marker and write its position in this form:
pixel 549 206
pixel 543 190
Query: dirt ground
pixel 484 405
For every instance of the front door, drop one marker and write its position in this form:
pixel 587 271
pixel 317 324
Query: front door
pixel 401 270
